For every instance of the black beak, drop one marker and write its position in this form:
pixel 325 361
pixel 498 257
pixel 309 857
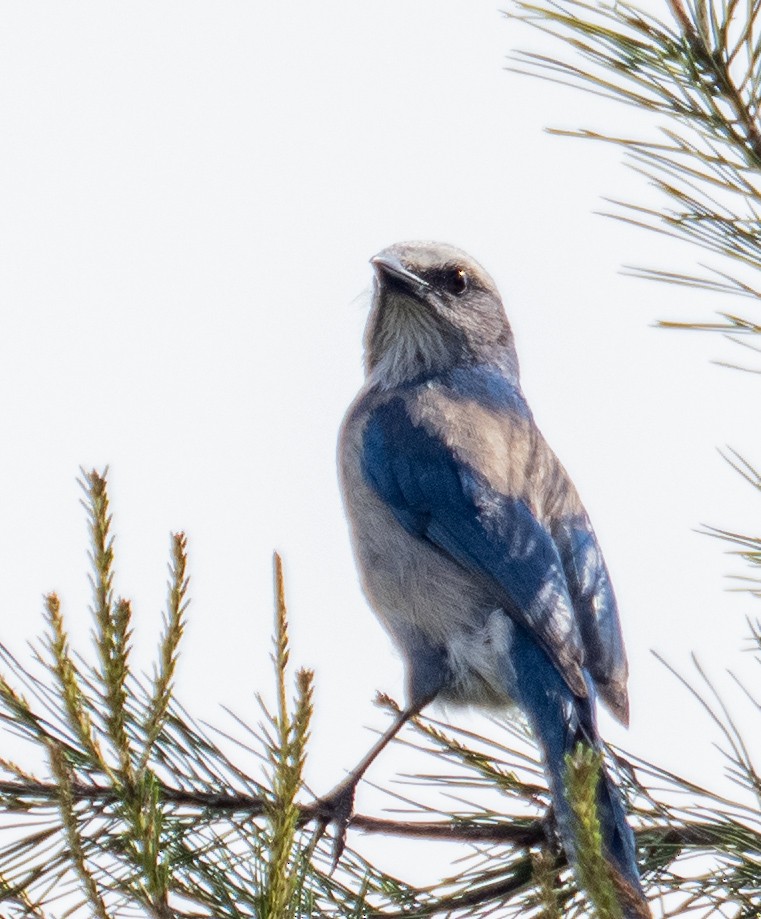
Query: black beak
pixel 388 268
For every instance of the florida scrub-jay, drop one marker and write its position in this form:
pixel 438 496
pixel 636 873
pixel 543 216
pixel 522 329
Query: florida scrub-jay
pixel 472 545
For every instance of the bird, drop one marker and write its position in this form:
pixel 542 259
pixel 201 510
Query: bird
pixel 471 542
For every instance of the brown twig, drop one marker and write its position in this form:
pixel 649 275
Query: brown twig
pixel 527 833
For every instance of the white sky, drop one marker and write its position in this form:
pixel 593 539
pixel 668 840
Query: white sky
pixel 189 196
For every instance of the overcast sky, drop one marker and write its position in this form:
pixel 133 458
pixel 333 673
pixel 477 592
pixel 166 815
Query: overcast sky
pixel 189 196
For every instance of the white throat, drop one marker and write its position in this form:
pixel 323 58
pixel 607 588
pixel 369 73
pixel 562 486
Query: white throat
pixel 408 343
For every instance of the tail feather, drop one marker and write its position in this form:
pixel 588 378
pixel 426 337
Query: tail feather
pixel 560 721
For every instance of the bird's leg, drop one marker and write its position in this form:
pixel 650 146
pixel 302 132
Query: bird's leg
pixel 337 807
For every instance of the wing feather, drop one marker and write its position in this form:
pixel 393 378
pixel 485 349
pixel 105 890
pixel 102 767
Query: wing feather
pixel 437 496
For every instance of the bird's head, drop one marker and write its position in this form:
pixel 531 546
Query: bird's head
pixel 434 308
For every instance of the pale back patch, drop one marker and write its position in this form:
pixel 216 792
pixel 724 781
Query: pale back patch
pixel 504 448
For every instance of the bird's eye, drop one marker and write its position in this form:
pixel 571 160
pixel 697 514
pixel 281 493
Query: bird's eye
pixel 456 281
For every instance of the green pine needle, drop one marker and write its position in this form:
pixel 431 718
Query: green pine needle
pixel 287 754
pixel 75 703
pixel 70 821
pixel 582 778
pixel 112 619
pixel 174 626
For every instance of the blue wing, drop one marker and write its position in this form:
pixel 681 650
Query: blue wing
pixel 438 497
pixel 596 610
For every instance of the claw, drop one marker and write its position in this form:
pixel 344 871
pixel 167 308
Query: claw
pixel 337 808
pixel 551 830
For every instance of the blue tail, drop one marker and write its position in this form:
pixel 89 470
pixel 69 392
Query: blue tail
pixel 560 720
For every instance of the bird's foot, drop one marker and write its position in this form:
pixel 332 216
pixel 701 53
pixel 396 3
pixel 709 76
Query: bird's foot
pixel 337 808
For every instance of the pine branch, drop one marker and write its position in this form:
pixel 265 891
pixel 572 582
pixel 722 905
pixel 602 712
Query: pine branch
pixel 287 754
pixel 697 70
pixel 545 872
pixel 196 834
pixel 184 830
pixel 112 619
pixel 75 703
pixel 71 827
pixel 174 625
